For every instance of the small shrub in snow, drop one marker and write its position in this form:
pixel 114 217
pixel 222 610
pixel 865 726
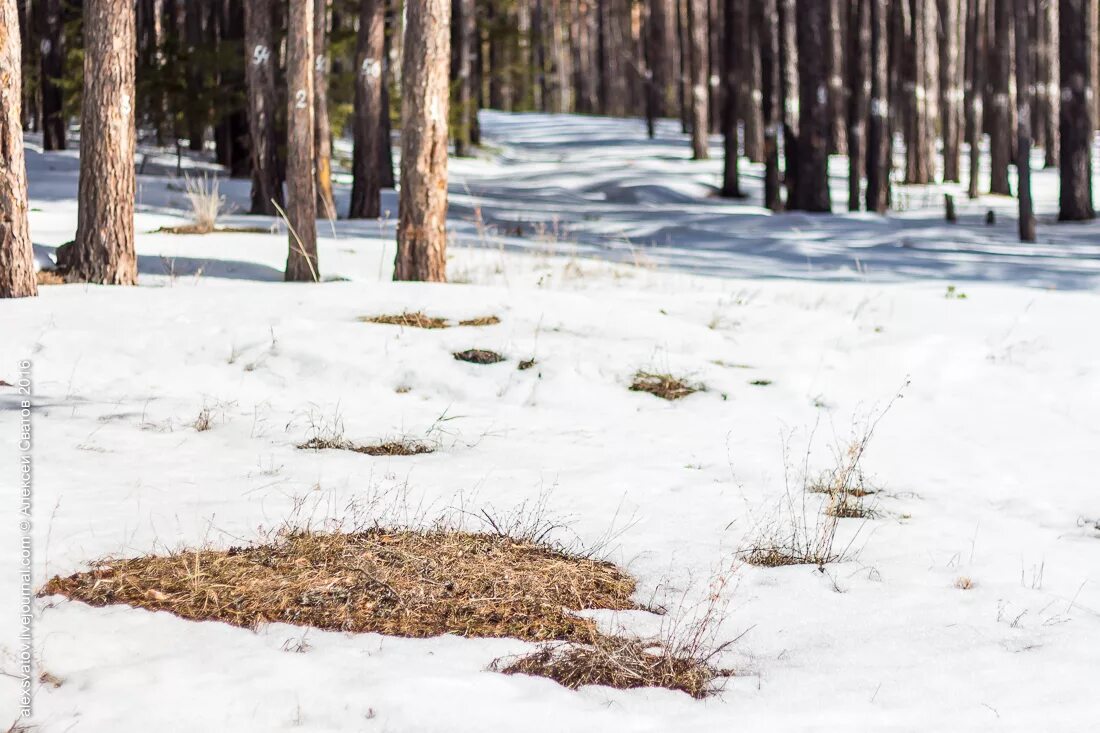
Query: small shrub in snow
pixel 206 201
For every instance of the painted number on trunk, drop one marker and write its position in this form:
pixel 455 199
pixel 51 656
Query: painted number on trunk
pixel 260 55
pixel 300 99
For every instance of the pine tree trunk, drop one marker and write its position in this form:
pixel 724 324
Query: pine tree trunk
pixel 731 14
pixel 811 192
pixel 748 95
pixel 195 117
pixel 837 93
pixel 662 42
pixel 368 128
pixel 231 129
pixel 301 192
pixel 463 53
pixel 700 117
pixel 879 145
pixel 975 88
pixel 322 147
pixel 385 148
pixel 788 78
pixel 17 276
pixel 768 23
pixel 716 65
pixel 951 94
pixel 1000 131
pixel 859 82
pixel 920 112
pixel 1023 122
pixel 421 231
pixel 1045 117
pixel 260 62
pixel 103 251
pixel 51 71
pixel 1075 40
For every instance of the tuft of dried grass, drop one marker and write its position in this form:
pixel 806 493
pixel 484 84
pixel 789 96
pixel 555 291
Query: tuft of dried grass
pixel 526 364
pixel 618 662
pixel 664 386
pixel 479 356
pixel 414 319
pixel 963 583
pixel 49 277
pixel 399 447
pixel 480 321
pixel 404 582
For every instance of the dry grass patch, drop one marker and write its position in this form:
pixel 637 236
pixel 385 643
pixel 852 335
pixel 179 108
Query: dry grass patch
pixel 963 583
pixel 479 356
pixel 49 277
pixel 417 319
pixel 618 662
pixel 400 447
pixel 664 386
pixel 416 583
pixel 526 364
pixel 414 319
pixel 480 321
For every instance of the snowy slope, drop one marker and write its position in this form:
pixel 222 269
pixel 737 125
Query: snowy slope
pixel 987 464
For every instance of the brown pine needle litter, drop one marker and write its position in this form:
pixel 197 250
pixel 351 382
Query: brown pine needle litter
pixel 49 277
pixel 664 386
pixel 414 319
pixel 416 583
pixel 417 319
pixel 479 356
pixel 385 448
pixel 480 321
pixel 618 662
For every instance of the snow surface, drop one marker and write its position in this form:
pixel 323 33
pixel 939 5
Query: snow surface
pixel 602 253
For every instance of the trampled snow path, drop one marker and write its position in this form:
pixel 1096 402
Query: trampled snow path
pixel 988 463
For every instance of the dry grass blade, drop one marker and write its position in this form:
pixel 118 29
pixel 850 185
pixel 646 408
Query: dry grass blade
pixel 664 386
pixel 414 319
pixel 415 583
pixel 479 356
pixel 618 662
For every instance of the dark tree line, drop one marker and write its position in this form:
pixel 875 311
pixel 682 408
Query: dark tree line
pixel 786 83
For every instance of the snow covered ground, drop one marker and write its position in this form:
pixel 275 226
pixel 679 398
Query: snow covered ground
pixel 602 253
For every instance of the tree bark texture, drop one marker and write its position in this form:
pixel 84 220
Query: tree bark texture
pixel 261 58
pixel 367 181
pixel 103 251
pixel 1000 123
pixel 879 144
pixel 768 23
pixel 17 275
pixel 859 87
pixel 731 183
pixel 421 230
pixel 700 118
pixel 811 192
pixel 51 70
pixel 301 192
pixel 322 147
pixel 1023 121
pixel 1075 41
